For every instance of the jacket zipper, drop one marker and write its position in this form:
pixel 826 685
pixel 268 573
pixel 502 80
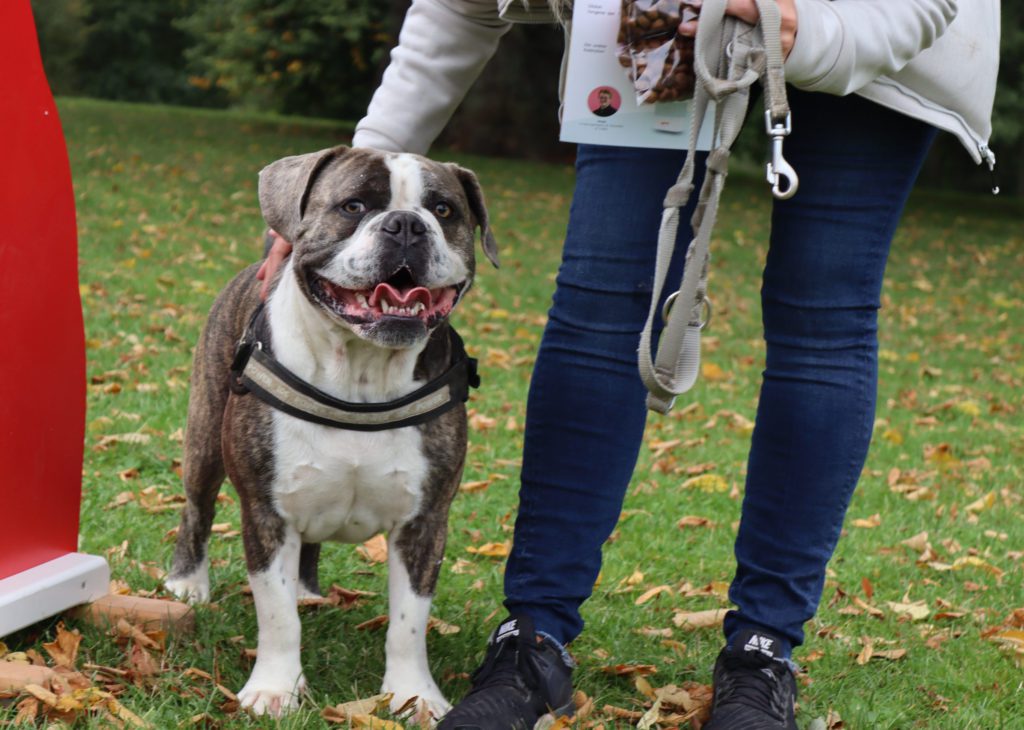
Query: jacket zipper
pixel 985 154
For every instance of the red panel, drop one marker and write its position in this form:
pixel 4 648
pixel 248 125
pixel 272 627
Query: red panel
pixel 42 346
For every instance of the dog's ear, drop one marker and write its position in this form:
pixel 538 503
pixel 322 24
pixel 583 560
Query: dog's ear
pixel 284 188
pixel 475 196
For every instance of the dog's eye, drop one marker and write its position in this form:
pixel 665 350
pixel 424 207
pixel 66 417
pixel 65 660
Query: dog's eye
pixel 354 206
pixel 443 210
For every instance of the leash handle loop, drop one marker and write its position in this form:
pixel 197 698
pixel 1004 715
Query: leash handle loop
pixel 729 57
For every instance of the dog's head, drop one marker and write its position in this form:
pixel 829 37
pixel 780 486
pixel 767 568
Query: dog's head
pixel 383 242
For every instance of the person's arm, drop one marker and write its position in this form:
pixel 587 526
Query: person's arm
pixel 843 45
pixel 443 47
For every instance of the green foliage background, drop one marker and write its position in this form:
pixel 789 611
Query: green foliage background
pixel 324 57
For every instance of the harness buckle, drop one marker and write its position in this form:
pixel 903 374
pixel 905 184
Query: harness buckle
pixel 778 168
pixel 242 354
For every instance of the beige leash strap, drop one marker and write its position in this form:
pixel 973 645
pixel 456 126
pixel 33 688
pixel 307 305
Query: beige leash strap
pixel 729 57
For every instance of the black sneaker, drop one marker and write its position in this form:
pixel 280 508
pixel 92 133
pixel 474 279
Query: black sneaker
pixel 753 689
pixel 525 681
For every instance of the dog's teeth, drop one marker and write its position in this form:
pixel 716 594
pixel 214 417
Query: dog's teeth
pixel 418 307
pixel 385 306
pixel 362 301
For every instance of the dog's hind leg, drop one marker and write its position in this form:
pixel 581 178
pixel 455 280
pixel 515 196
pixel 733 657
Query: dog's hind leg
pixel 202 475
pixel 309 559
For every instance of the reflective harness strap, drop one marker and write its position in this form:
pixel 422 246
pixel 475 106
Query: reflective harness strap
pixel 255 371
pixel 729 57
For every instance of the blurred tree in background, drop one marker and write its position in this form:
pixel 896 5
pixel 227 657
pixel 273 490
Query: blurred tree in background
pixel 324 58
pixel 309 57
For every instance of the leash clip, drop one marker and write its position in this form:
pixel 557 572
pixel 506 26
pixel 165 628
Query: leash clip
pixel 778 168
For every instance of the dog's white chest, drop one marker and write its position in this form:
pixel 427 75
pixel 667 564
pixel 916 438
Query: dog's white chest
pixel 334 484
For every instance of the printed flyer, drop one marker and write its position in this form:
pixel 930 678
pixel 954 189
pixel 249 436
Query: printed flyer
pixel 599 104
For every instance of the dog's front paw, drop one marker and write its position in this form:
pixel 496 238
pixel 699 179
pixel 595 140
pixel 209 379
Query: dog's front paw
pixel 271 698
pixel 429 703
pixel 191 588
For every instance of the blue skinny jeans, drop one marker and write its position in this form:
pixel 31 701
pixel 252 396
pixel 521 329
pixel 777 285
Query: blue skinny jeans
pixel 820 296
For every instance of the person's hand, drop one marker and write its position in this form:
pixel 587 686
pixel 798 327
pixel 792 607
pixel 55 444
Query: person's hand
pixel 279 251
pixel 746 10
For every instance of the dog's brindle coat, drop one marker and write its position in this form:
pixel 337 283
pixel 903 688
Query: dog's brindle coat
pixel 371 231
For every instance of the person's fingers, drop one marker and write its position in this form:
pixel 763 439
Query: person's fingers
pixel 745 10
pixel 279 251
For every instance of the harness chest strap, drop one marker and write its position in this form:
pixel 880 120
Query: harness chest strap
pixel 255 371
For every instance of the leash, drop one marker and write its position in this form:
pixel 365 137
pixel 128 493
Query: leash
pixel 254 370
pixel 729 57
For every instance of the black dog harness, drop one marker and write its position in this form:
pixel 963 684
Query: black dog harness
pixel 254 370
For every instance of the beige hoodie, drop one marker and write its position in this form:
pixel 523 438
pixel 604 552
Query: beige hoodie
pixel 934 60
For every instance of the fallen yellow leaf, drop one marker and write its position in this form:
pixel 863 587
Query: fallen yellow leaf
pixel 491 549
pixel 706 483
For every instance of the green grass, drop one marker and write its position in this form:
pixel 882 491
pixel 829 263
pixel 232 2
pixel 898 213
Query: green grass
pixel 167 214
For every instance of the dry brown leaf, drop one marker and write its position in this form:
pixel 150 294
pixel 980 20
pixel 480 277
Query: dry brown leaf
pixel 677 646
pixel 630 670
pixel 665 633
pixel 713 373
pixel 872 610
pixel 375 623
pixel 651 593
pixel 150 640
pixel 480 422
pixel 690 620
pixel 28 710
pixel 344 712
pixel 121 712
pixel 374 550
pixel 1013 641
pixel 915 610
pixel 477 486
pixel 442 627
pixel 621 713
pixel 873 521
pixel 42 694
pixel 982 503
pixel 584 705
pixel 370 722
pixel 651 717
pixel 694 521
pixel 866 652
pixel 141 662
pixel 64 649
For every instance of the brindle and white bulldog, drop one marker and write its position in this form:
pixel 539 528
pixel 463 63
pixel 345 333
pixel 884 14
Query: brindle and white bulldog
pixel 383 251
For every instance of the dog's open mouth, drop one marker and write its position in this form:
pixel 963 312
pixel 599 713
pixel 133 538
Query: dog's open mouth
pixel 399 296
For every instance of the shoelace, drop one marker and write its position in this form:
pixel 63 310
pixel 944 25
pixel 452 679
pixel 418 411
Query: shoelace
pixel 508 666
pixel 759 687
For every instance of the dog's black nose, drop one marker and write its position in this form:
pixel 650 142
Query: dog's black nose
pixel 404 227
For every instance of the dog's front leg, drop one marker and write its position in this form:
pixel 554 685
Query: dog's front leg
pixel 407 673
pixel 276 680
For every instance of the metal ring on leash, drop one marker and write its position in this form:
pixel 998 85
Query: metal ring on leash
pixel 666 309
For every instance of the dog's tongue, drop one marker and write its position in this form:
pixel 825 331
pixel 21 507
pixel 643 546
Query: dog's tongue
pixel 400 299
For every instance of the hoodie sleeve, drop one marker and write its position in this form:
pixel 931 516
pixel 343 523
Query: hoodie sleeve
pixel 442 48
pixel 842 45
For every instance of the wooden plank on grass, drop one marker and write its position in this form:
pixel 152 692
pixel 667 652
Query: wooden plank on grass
pixel 148 613
pixel 14 677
